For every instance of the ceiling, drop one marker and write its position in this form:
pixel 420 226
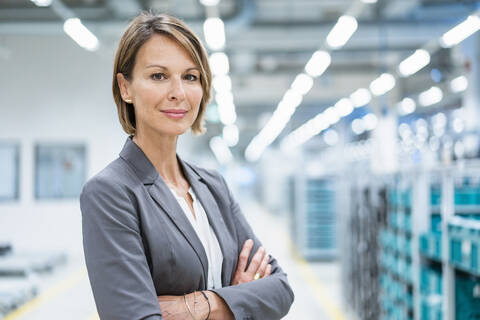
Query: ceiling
pixel 269 41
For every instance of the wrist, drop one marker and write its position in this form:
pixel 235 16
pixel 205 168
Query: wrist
pixel 198 307
pixel 218 307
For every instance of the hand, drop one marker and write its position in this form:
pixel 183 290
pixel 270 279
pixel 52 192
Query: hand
pixel 258 265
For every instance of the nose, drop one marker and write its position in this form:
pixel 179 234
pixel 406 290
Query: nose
pixel 176 91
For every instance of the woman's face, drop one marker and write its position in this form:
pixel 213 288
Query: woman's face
pixel 164 88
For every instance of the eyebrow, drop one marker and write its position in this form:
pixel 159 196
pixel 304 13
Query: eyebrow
pixel 165 68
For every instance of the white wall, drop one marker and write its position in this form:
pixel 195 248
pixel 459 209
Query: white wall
pixel 54 91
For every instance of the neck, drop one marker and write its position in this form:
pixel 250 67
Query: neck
pixel 161 150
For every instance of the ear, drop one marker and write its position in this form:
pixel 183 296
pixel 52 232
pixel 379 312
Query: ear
pixel 124 86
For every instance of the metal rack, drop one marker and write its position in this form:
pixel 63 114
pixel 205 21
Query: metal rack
pixel 454 247
pixel 396 253
pixel 428 245
pixel 365 213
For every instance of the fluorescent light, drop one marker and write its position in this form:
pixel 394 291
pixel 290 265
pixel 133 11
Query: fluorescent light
pixel 430 96
pixel 284 111
pixel 252 152
pixel 302 83
pixel 459 84
pixel 439 120
pixel 318 63
pixel 222 83
pixel 305 132
pixel 361 97
pixel 404 130
pixel 414 63
pixel 227 113
pixel 344 107
pixel 219 63
pixel 369 1
pixel 331 115
pixel 318 124
pixel 220 150
pixel 224 97
pixel 80 34
pixel 42 3
pixel 230 135
pixel 331 137
pixel 214 32
pixel 226 107
pixel 358 127
pixel 460 32
pixel 342 31
pixel 209 3
pixel 292 98
pixel 370 121
pixel 384 83
pixel 406 106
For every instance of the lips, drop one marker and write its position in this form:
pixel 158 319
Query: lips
pixel 174 113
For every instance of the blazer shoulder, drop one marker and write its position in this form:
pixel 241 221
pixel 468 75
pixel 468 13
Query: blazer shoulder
pixel 114 177
pixel 209 175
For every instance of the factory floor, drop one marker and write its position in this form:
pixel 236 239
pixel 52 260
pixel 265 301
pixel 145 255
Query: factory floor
pixel 66 293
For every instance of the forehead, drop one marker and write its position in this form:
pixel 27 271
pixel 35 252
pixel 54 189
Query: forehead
pixel 161 49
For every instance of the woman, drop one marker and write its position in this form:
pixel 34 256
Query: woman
pixel 164 239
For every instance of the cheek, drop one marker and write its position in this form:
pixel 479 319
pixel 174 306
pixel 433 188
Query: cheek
pixel 196 96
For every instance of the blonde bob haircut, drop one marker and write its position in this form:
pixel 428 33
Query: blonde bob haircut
pixel 139 31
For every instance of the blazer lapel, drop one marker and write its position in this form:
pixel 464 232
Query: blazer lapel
pixel 163 196
pixel 215 218
pixel 159 191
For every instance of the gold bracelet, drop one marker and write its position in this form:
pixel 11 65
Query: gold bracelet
pixel 188 307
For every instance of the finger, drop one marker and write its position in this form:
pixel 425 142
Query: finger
pixel 263 266
pixel 256 261
pixel 268 270
pixel 244 254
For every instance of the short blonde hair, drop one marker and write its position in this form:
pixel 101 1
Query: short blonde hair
pixel 139 31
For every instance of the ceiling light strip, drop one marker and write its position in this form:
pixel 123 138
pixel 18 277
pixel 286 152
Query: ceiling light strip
pixel 214 33
pixel 339 35
pixel 386 82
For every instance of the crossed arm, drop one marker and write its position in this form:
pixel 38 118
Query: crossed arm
pixel 194 305
pixel 114 254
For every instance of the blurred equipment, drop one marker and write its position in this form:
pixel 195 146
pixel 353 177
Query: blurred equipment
pixel 20 274
pixel 312 217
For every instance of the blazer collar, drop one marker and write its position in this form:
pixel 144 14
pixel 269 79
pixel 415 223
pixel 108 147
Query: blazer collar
pixel 144 169
pixel 137 159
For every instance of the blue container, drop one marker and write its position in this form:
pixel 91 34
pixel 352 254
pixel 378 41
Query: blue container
pixel 436 246
pixel 467 300
pixel 436 223
pixel 435 196
pixel 474 258
pixel 456 251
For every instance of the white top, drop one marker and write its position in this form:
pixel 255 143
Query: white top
pixel 207 236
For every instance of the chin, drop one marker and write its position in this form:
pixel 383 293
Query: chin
pixel 175 131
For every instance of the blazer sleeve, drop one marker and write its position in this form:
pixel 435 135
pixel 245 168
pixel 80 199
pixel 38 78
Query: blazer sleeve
pixel 268 298
pixel 114 253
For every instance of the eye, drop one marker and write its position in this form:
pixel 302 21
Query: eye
pixel 191 77
pixel 158 76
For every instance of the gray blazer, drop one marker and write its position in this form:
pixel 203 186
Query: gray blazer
pixel 138 243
